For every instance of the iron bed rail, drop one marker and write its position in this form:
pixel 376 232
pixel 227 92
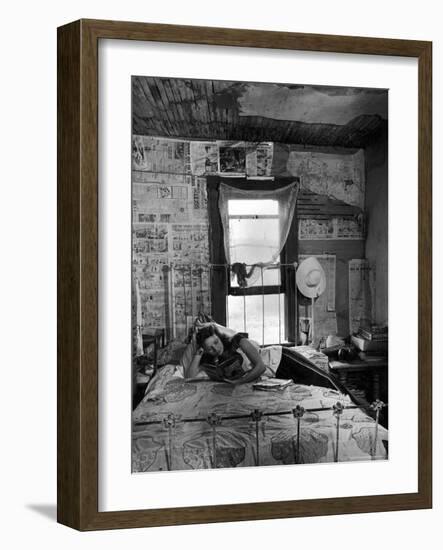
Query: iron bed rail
pixel 214 420
pixel 191 283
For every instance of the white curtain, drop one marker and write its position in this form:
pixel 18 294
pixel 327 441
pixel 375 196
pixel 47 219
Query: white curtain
pixel 265 242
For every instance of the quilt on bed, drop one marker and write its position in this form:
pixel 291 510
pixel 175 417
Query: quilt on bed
pixel 163 440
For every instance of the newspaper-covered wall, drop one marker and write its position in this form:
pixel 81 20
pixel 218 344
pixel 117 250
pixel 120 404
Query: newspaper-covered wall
pixel 360 302
pixel 339 176
pixel 170 220
pixel 311 229
pixel 170 234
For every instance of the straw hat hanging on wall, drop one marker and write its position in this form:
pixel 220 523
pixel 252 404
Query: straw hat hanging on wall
pixel 311 281
pixel 311 278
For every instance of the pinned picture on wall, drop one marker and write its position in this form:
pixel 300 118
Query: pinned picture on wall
pixel 232 158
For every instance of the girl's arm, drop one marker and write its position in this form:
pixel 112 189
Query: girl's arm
pixel 258 367
pixel 224 331
pixel 219 329
pixel 194 368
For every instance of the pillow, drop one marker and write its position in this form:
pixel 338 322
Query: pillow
pixel 171 354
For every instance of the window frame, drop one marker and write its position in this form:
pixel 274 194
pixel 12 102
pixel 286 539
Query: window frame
pixel 221 277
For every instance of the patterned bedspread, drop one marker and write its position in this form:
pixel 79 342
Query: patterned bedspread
pixel 163 440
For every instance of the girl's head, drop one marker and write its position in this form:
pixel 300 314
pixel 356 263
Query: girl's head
pixel 209 340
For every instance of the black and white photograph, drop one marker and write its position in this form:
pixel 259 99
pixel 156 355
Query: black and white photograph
pixel 218 329
pixel 259 274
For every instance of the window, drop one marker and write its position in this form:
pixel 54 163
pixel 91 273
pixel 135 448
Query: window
pixel 250 222
pixel 254 237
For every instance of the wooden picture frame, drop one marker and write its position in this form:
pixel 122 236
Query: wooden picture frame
pixel 78 274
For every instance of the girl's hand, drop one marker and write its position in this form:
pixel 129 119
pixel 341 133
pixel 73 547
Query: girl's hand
pixel 201 324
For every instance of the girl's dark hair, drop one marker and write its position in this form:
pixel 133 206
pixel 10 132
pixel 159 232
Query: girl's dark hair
pixel 204 333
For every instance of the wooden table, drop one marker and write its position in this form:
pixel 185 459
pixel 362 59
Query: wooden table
pixel 376 366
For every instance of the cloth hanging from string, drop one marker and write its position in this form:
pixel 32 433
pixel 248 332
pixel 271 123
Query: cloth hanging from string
pixel 260 243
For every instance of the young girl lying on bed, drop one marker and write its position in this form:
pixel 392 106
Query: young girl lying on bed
pixel 224 355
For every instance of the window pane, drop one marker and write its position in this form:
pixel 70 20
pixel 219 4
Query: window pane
pixel 245 314
pixel 253 207
pixel 255 241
